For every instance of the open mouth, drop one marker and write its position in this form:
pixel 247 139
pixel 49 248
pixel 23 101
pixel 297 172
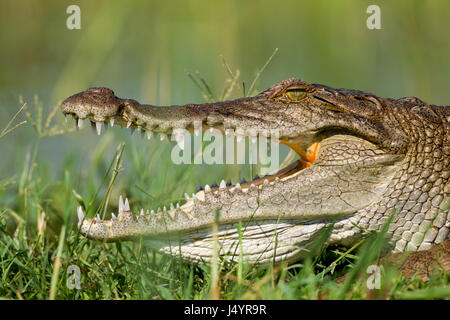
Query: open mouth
pixel 307 151
pixel 342 168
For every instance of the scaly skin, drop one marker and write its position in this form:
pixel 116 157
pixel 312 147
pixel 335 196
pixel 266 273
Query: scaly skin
pixel 363 158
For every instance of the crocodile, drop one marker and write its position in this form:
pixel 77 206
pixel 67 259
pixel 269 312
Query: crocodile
pixel 361 160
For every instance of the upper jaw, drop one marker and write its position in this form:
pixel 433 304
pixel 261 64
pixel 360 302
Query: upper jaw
pixel 246 116
pixel 261 115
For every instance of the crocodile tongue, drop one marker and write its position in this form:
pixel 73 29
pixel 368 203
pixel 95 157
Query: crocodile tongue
pixel 308 154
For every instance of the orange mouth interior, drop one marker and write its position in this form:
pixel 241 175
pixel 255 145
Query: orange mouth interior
pixel 307 158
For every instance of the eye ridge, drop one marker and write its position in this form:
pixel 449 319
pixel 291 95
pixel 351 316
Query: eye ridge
pixel 296 94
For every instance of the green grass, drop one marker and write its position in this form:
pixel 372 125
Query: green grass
pixel 39 240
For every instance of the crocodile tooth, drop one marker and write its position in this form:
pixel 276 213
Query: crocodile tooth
pixel 80 213
pixel 162 136
pixel 65 118
pixel 238 185
pixel 239 138
pixel 111 122
pixel 198 186
pixel 200 195
pixel 252 185
pixel 164 209
pixel 142 212
pixel 186 196
pixel 149 135
pixel 152 212
pixel 196 132
pixel 277 179
pixel 207 188
pixel 98 126
pixel 171 206
pixel 178 205
pixel 80 123
pixel 266 181
pixel 159 209
pixel 211 130
pixel 113 216
pixel 172 215
pixel 214 184
pixel 243 181
pixel 97 218
pixel 179 138
pixel 120 204
pixel 229 182
pixel 128 124
pixel 222 184
pixel 253 139
pixel 147 212
pixel 194 196
pixel 126 205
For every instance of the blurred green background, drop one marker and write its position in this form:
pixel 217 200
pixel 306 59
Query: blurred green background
pixel 141 49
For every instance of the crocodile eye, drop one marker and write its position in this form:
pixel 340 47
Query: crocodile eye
pixel 296 94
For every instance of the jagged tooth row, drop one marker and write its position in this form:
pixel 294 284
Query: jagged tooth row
pixel 231 188
pixel 240 134
pixel 98 125
pixel 177 133
pixel 124 206
pixel 223 184
pixel 174 210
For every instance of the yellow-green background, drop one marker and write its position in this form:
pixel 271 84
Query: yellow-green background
pixel 141 49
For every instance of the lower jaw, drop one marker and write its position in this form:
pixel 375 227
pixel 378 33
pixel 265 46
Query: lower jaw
pixel 307 158
pixel 258 242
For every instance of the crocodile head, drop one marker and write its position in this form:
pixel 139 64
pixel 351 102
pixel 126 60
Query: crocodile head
pixel 361 158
